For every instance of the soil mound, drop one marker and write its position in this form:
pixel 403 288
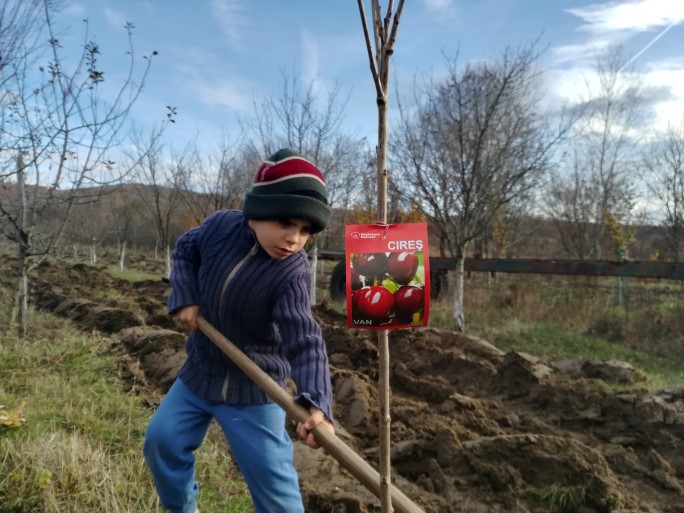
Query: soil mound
pixel 473 429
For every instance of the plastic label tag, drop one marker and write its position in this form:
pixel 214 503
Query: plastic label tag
pixel 388 275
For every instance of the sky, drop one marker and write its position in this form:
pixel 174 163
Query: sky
pixel 216 56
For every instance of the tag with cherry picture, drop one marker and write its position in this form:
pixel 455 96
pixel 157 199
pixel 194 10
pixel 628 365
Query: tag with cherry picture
pixel 388 275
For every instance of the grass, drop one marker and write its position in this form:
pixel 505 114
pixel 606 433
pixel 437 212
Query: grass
pixel 80 446
pixel 559 499
pixel 571 499
pixel 110 297
pixel 131 274
pixel 546 340
pixel 576 317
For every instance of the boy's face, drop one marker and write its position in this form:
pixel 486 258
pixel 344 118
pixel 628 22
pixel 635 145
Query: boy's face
pixel 281 238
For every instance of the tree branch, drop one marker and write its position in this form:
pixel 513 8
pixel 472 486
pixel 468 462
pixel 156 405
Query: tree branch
pixel 369 48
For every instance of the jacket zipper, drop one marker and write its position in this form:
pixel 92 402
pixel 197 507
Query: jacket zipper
pixel 233 272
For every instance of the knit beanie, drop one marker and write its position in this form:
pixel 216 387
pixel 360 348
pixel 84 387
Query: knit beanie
pixel 287 186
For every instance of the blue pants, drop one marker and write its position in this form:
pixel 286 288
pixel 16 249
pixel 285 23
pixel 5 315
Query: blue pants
pixel 256 434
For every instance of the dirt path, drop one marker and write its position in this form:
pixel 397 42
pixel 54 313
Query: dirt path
pixel 473 429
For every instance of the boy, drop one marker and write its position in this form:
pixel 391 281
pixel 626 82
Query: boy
pixel 248 276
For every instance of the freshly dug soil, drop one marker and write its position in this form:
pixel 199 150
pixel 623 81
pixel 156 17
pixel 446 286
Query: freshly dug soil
pixel 473 429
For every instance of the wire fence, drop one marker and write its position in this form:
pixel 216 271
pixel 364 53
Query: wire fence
pixel 633 311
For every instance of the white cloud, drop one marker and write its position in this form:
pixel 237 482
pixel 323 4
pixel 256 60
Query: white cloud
pixel 663 83
pixel 581 52
pixel 440 6
pixel 115 19
pixel 189 60
pixel 202 76
pixel 75 9
pixel 671 75
pixel 614 23
pixel 310 58
pixel 232 20
pixel 666 64
pixel 567 84
pixel 234 95
pixel 635 15
pixel 311 72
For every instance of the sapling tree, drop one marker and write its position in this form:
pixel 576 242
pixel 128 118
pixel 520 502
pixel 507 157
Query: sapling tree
pixel 380 49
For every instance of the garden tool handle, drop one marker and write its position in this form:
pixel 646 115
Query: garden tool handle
pixel 345 456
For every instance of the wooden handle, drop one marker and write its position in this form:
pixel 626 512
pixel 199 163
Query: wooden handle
pixel 346 457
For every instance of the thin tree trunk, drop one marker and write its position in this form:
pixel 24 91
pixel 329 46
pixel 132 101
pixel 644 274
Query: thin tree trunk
pixel 122 256
pixel 383 335
pixel 459 310
pixel 22 236
pixel 167 262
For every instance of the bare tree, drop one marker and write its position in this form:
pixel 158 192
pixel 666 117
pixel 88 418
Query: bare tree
pixel 158 181
pixel 508 229
pixel 570 204
pixel 216 182
pixel 476 143
pixel 59 132
pixel 121 219
pixel 19 26
pixel 665 164
pixel 599 183
pixel 309 122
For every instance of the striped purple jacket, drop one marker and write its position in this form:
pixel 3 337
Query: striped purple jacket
pixel 260 304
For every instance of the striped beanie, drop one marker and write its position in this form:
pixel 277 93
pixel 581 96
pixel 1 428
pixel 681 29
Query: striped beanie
pixel 288 186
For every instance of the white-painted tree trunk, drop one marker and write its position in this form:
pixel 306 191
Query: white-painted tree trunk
pixel 122 256
pixel 167 262
pixel 459 310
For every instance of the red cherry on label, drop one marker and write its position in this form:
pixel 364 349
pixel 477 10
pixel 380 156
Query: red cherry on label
pixel 373 303
pixel 370 264
pixel 407 301
pixel 355 298
pixel 402 267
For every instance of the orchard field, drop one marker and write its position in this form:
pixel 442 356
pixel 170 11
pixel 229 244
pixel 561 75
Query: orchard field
pixel 559 399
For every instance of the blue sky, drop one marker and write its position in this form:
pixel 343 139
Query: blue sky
pixel 215 56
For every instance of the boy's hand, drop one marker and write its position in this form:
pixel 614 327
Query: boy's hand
pixel 188 315
pixel 304 428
